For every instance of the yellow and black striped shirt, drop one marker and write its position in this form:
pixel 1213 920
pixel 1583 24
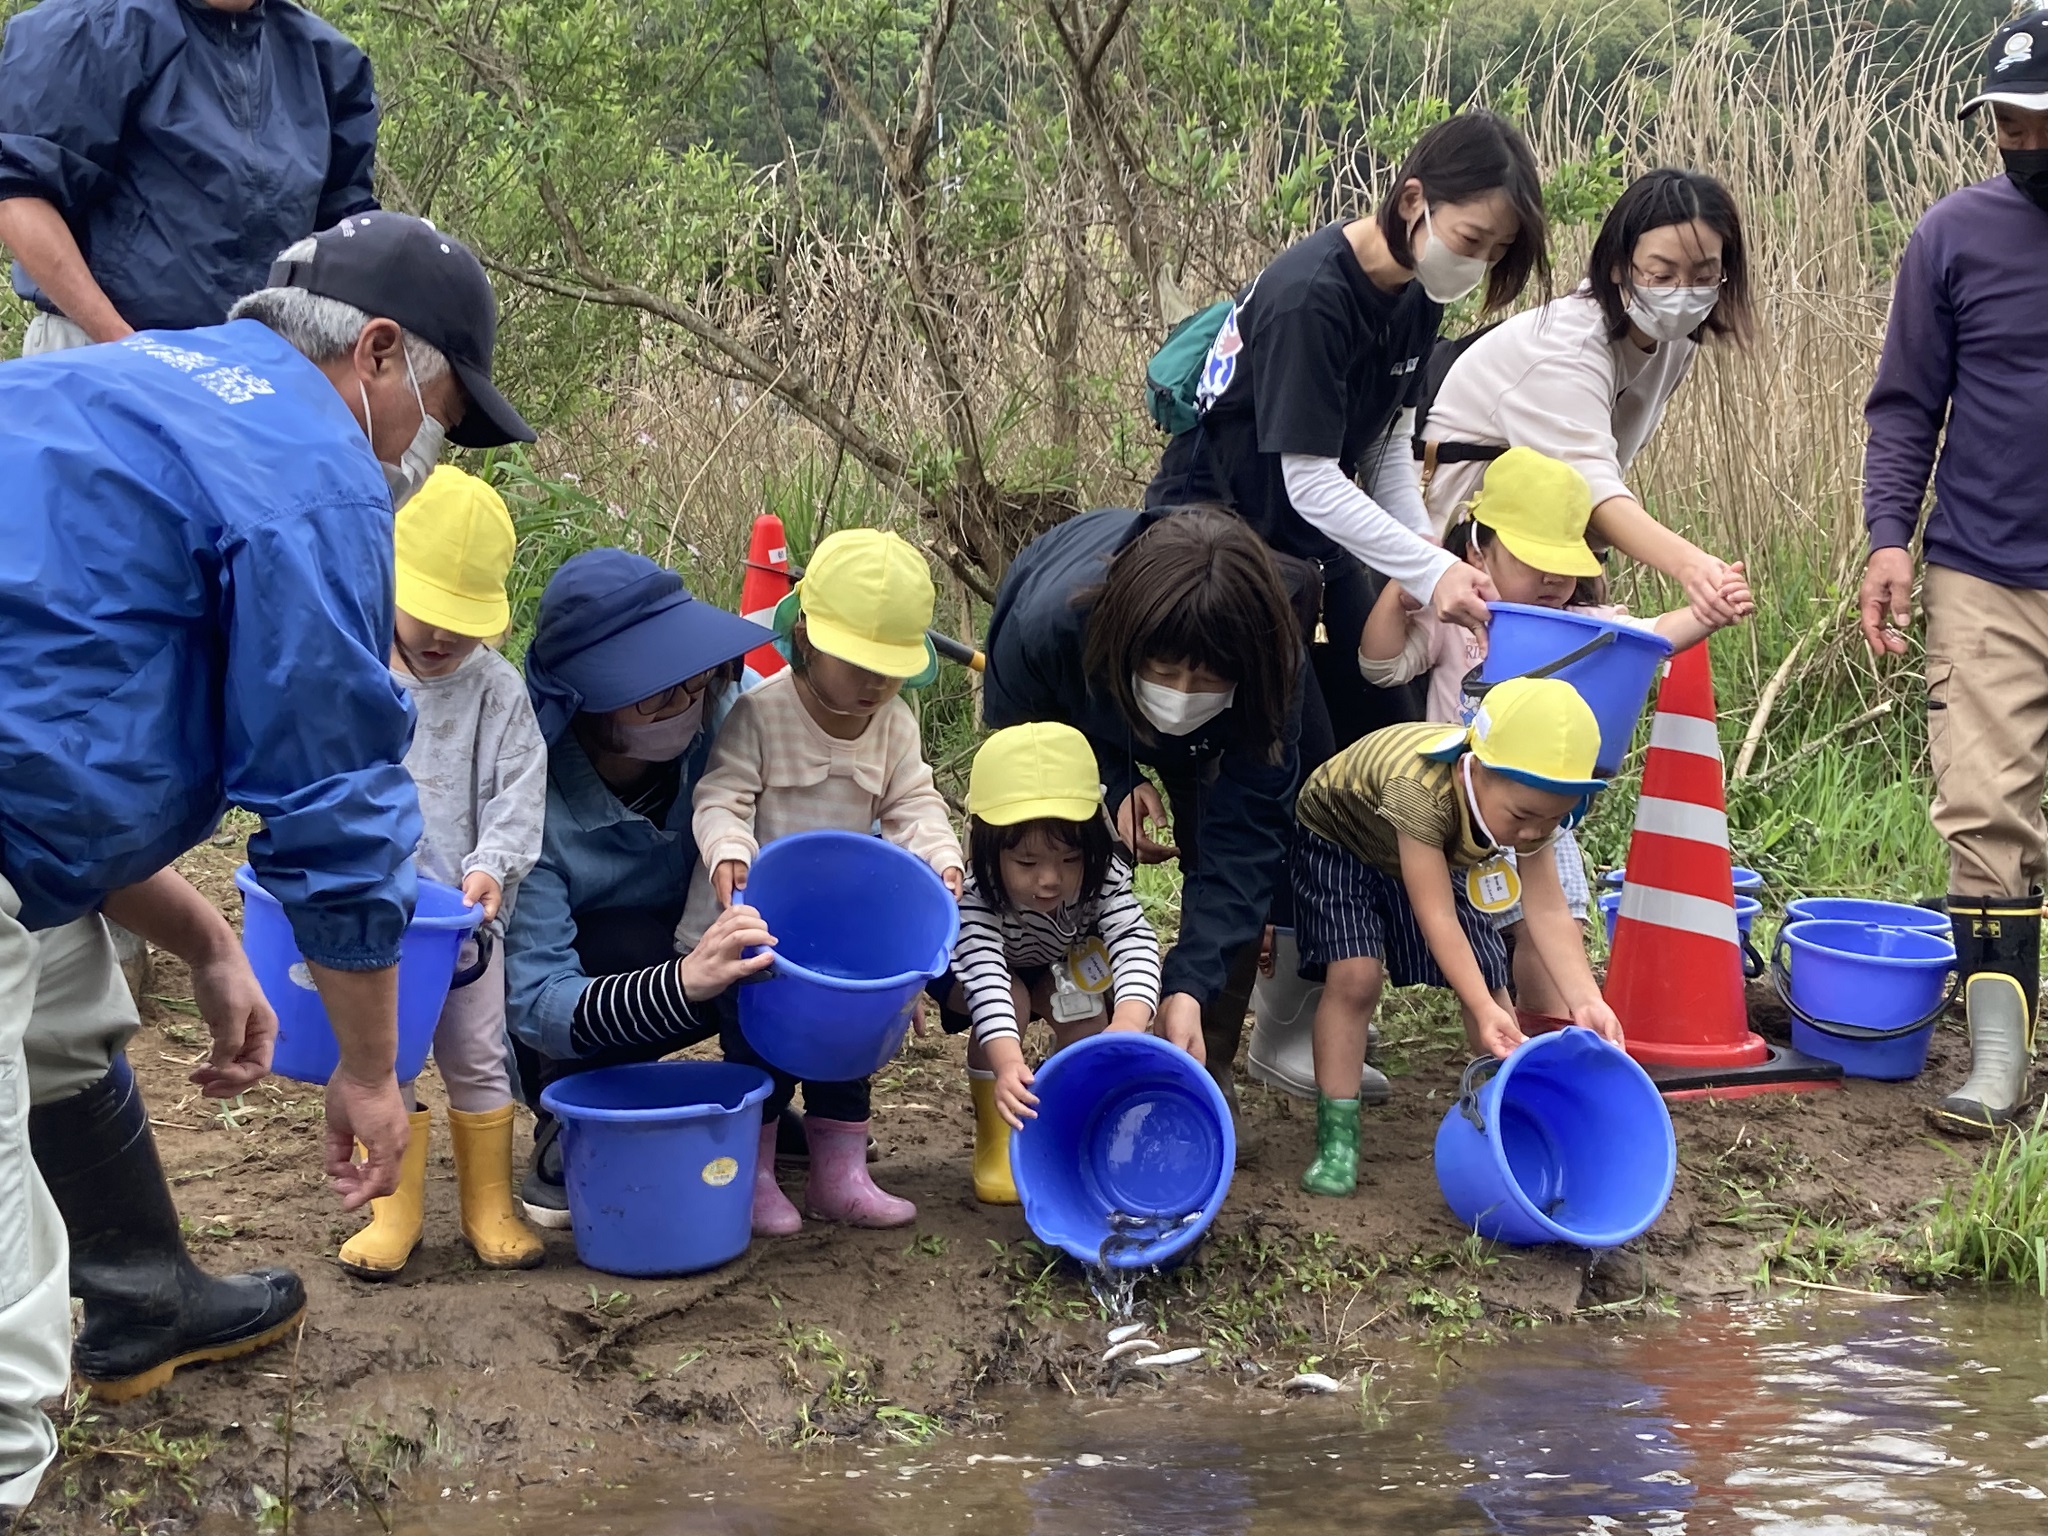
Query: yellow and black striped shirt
pixel 1381 786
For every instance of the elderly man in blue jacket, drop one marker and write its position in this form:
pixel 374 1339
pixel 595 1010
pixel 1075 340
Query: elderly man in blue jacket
pixel 156 154
pixel 196 610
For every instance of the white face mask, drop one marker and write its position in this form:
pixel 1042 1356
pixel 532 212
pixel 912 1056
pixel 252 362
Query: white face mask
pixel 1175 713
pixel 1445 275
pixel 659 741
pixel 421 454
pixel 1671 314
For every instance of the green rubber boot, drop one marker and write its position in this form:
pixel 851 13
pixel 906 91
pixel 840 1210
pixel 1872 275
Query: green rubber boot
pixel 1335 1170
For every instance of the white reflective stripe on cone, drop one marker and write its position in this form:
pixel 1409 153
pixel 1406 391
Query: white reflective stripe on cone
pixel 1686 914
pixel 1683 819
pixel 1685 733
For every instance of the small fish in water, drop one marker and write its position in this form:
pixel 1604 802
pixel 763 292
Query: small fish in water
pixel 1173 1357
pixel 1124 1331
pixel 1126 1347
pixel 1314 1381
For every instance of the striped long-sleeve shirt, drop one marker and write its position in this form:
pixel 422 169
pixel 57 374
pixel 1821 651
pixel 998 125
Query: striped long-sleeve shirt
pixel 997 942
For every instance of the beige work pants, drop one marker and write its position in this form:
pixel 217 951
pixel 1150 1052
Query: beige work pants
pixel 1987 730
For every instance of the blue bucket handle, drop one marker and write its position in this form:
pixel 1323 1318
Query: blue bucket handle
pixel 1752 962
pixel 1474 688
pixel 1478 1073
pixel 466 974
pixel 1781 983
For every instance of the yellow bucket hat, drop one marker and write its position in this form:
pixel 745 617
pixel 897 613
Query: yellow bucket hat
pixel 1539 507
pixel 1030 771
pixel 867 598
pixel 1537 731
pixel 454 546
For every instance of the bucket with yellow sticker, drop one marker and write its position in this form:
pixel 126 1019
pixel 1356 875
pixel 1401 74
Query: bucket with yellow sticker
pixel 658 1161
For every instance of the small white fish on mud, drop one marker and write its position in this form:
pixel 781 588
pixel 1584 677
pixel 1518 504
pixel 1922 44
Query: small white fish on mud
pixel 1124 1331
pixel 1314 1381
pixel 1126 1347
pixel 1173 1357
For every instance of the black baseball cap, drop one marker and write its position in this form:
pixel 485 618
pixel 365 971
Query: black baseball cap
pixel 2016 67
pixel 393 266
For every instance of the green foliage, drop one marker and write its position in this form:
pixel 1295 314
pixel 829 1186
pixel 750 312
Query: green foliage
pixel 1993 1224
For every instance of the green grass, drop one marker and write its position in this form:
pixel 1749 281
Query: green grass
pixel 1992 1222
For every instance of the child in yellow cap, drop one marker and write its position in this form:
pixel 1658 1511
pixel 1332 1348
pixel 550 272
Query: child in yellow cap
pixel 826 744
pixel 482 769
pixel 1526 528
pixel 1405 838
pixel 1049 929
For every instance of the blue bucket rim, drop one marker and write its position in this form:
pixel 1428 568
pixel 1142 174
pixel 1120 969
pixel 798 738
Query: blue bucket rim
pixel 1649 638
pixel 1615 878
pixel 782 966
pixel 553 1103
pixel 468 918
pixel 1742 899
pixel 1930 920
pixel 1166 1249
pixel 1800 936
pixel 1498 1153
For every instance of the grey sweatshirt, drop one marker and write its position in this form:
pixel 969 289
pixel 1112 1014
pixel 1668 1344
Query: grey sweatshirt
pixel 482 771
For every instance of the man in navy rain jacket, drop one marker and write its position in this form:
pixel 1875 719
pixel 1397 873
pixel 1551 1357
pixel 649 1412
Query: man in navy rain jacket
pixel 196 610
pixel 156 154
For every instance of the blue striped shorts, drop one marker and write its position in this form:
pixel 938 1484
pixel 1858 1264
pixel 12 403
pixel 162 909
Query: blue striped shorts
pixel 1345 908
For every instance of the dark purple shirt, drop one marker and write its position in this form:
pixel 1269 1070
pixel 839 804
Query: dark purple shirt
pixel 1967 344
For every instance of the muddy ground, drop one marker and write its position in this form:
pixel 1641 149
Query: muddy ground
pixel 460 1378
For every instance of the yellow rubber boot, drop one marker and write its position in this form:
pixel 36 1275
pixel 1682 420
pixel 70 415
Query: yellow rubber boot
pixel 483 1179
pixel 380 1250
pixel 992 1182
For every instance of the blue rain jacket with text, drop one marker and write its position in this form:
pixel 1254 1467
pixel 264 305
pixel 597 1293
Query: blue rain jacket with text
pixel 195 609
pixel 185 146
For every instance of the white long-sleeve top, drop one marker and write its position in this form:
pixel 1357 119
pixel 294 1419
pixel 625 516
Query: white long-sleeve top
pixel 1387 528
pixel 997 942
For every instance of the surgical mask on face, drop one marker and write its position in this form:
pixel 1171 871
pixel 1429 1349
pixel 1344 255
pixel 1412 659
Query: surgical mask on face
pixel 2027 169
pixel 1671 314
pixel 659 741
pixel 1175 713
pixel 421 454
pixel 1445 275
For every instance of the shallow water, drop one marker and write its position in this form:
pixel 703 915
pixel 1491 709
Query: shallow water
pixel 1819 1418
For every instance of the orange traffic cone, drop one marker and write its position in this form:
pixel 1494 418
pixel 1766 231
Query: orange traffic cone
pixel 1675 977
pixel 766 584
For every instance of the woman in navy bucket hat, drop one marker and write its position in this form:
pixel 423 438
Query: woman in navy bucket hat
pixel 627 672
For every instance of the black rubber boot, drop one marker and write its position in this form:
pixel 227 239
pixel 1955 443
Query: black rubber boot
pixel 1223 1022
pixel 1998 963
pixel 148 1308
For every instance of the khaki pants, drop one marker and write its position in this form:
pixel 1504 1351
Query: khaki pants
pixel 35 1294
pixel 52 333
pixel 1987 730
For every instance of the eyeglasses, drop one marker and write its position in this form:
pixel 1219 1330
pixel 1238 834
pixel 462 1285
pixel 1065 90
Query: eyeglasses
pixel 667 700
pixel 1712 277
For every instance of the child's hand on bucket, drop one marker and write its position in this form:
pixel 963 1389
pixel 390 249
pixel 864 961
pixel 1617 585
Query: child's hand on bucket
pixel 1015 1101
pixel 481 889
pixel 1133 1017
pixel 1493 1030
pixel 721 958
pixel 1599 1018
pixel 729 877
pixel 955 878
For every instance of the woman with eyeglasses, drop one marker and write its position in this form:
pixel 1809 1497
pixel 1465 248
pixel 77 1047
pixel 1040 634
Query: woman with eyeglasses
pixel 628 674
pixel 1585 378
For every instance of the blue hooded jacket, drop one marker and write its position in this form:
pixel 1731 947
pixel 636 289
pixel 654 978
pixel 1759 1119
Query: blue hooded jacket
pixel 184 146
pixel 195 608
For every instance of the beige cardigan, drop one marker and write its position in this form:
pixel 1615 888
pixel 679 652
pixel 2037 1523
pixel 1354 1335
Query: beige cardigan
pixel 774 771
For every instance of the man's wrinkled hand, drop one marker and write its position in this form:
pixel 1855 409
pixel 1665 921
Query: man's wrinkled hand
pixel 374 1116
pixel 240 1020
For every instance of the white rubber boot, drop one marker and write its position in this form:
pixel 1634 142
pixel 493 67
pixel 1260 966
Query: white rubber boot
pixel 1282 1053
pixel 2000 1041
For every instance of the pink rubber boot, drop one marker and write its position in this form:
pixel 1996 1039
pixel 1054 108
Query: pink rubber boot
pixel 840 1189
pixel 774 1216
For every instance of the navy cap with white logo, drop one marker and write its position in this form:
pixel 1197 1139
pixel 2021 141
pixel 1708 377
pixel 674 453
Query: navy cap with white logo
pixel 393 266
pixel 2016 67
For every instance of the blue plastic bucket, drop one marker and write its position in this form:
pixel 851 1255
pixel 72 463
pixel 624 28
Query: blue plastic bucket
pixel 1876 914
pixel 1130 1156
pixel 1567 1141
pixel 1862 995
pixel 860 926
pixel 658 1161
pixel 306 1050
pixel 1611 664
pixel 1747 881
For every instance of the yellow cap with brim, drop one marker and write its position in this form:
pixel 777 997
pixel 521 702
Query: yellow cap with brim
pixel 1535 730
pixel 867 598
pixel 453 542
pixel 1031 771
pixel 1538 507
